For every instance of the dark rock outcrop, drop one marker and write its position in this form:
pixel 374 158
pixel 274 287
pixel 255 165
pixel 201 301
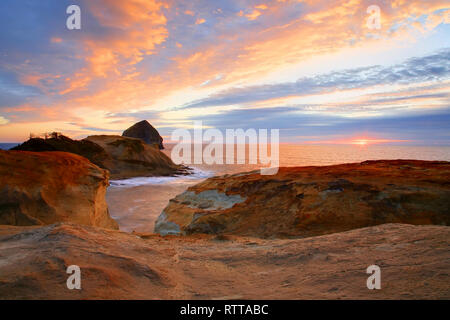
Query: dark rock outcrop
pixel 38 188
pixel 311 201
pixel 124 157
pixel 84 148
pixel 146 132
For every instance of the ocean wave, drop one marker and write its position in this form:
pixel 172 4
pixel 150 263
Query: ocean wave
pixel 197 174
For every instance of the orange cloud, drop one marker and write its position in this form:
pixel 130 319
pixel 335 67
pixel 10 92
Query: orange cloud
pixel 138 27
pixel 261 6
pixel 200 21
pixel 55 40
pixel 253 15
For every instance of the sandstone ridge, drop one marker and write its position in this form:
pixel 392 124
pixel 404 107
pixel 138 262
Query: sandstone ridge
pixel 311 201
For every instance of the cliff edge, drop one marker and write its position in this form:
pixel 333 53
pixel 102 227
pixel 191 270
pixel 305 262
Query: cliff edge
pixel 38 188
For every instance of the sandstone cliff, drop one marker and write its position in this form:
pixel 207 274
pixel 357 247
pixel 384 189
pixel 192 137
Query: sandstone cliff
pixel 310 201
pixel 414 262
pixel 39 188
pixel 146 132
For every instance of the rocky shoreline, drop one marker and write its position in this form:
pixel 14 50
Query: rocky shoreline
pixel 123 157
pixel 305 233
pixel 58 179
pixel 134 154
pixel 311 201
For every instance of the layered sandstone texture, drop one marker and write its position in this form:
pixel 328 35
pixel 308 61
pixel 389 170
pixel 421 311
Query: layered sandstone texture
pixel 39 188
pixel 311 201
pixel 131 157
pixel 414 263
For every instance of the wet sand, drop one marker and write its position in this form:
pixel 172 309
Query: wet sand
pixel 137 208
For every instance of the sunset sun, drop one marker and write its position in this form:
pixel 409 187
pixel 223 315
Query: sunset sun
pixel 361 142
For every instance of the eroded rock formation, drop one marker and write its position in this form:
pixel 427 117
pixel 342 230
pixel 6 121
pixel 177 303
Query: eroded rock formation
pixel 414 262
pixel 38 188
pixel 310 201
pixel 130 157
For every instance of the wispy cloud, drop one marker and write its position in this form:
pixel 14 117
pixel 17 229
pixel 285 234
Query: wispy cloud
pixel 415 127
pixel 435 67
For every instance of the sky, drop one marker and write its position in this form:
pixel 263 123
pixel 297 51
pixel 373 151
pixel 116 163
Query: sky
pixel 311 68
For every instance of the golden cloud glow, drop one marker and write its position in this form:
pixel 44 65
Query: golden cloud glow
pixel 117 71
pixel 200 21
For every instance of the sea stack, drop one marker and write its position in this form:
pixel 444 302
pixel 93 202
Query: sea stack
pixel 146 132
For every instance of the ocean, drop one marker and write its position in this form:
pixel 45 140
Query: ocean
pixel 7 146
pixel 136 203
